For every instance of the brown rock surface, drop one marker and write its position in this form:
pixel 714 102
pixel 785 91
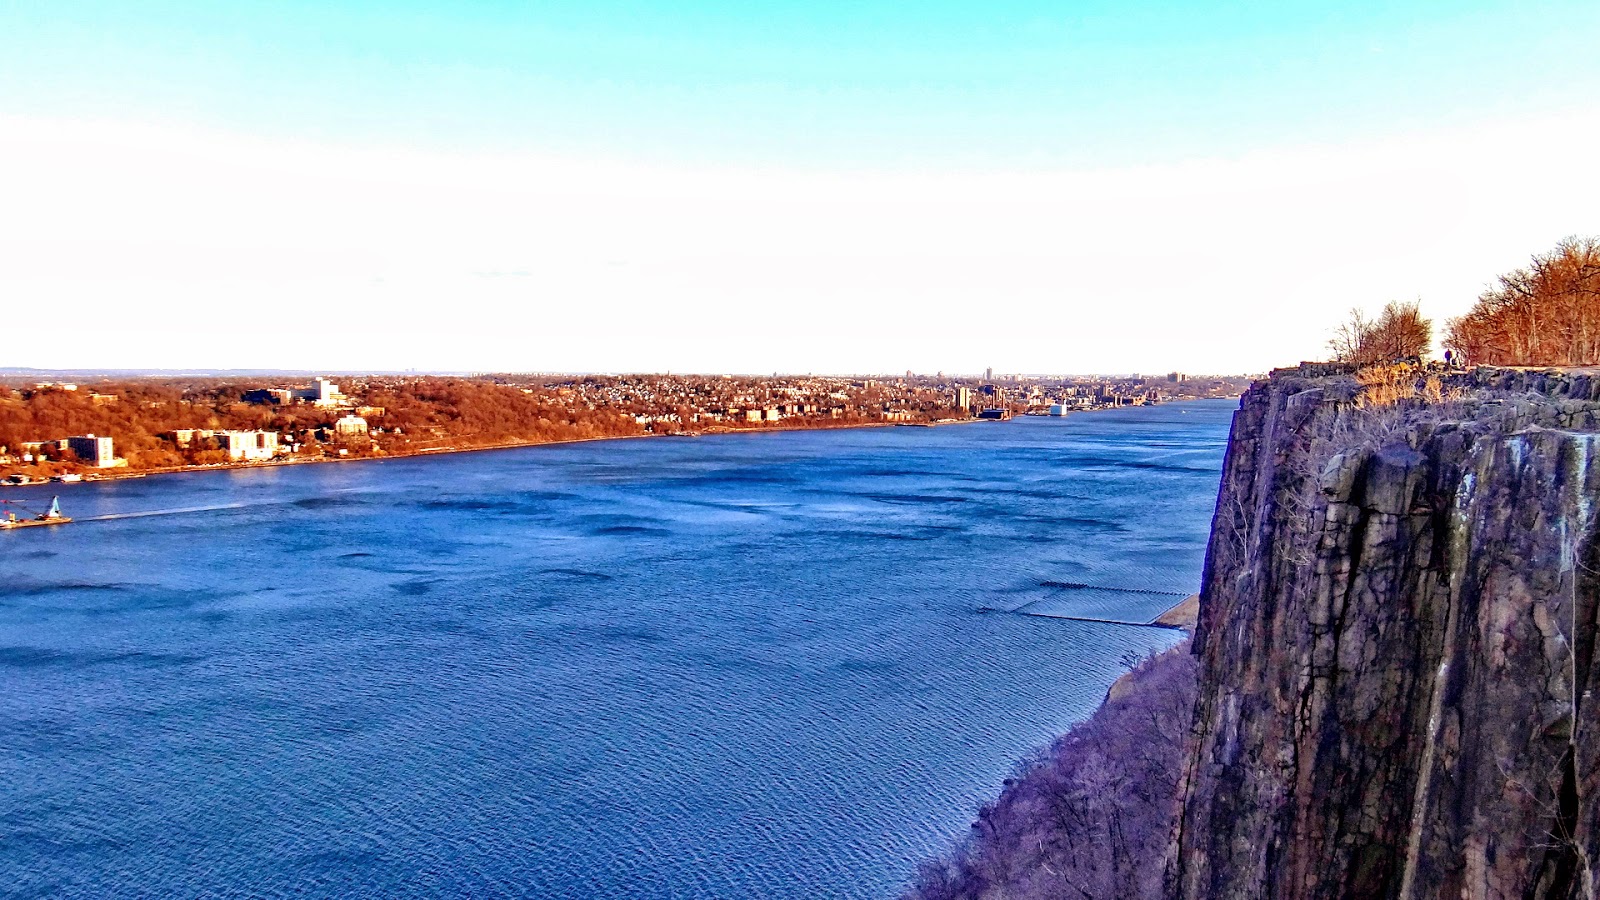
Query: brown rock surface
pixel 1396 643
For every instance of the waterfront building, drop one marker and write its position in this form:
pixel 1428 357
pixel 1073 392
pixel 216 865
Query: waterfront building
pixel 184 438
pixel 351 426
pixel 92 450
pixel 248 446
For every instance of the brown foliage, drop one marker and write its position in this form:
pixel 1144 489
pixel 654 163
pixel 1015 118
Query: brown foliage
pixel 431 413
pixel 1547 314
pixel 1091 817
pixel 463 412
pixel 142 412
pixel 1390 384
pixel 1399 333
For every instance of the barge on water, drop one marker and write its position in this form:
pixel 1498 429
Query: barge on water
pixel 52 516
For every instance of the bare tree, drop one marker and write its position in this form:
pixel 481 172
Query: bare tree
pixel 1399 333
pixel 1349 341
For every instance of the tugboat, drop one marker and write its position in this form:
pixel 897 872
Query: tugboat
pixel 52 516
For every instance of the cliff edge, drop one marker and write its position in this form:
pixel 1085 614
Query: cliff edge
pixel 1396 643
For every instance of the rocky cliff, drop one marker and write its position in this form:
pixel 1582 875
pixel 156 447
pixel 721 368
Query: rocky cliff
pixel 1396 643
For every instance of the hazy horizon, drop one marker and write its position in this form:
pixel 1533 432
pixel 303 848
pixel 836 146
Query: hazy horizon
pixel 660 187
pixel 149 372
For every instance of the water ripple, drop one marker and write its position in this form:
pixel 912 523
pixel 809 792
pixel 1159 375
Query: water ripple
pixel 743 666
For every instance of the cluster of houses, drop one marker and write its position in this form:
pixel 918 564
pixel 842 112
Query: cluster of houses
pixel 700 400
pixel 259 446
pixel 98 451
pixel 710 400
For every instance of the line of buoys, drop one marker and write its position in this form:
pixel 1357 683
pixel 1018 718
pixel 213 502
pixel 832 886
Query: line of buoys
pixel 1079 586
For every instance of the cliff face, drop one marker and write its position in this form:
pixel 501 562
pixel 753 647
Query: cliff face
pixel 1397 688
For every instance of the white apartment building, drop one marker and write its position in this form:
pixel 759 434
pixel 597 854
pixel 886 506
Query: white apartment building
pixel 248 446
pixel 323 394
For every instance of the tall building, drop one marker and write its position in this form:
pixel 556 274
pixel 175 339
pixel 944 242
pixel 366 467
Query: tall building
pixel 323 394
pixel 95 451
pixel 988 374
pixel 963 398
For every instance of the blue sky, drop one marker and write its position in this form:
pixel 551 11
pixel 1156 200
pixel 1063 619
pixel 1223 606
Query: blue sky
pixel 811 84
pixel 1226 105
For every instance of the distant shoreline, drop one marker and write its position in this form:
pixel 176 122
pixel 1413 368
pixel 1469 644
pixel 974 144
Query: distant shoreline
pixel 127 475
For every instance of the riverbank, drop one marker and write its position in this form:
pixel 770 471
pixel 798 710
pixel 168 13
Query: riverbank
pixel 123 474
pixel 1184 614
pixel 1092 815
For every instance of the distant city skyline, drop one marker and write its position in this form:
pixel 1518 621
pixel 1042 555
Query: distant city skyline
pixel 800 188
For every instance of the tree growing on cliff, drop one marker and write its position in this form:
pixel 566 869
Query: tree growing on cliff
pixel 1399 333
pixel 1547 314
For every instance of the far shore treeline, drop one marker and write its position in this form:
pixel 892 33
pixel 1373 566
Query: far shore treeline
pixel 159 424
pixel 142 416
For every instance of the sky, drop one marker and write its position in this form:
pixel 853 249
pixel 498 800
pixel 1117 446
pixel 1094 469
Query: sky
pixel 799 187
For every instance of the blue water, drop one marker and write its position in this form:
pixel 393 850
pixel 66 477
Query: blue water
pixel 732 666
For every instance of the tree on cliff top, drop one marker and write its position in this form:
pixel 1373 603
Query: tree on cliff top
pixel 1399 333
pixel 1547 314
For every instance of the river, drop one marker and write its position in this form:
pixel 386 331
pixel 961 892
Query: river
pixel 750 665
